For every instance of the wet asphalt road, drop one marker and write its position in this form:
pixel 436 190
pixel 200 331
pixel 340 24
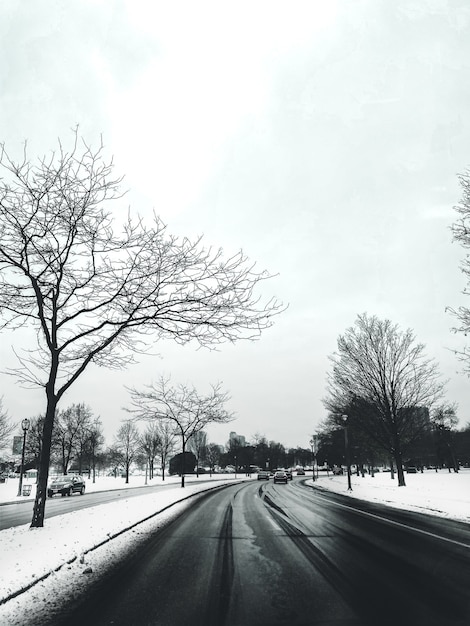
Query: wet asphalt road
pixel 259 554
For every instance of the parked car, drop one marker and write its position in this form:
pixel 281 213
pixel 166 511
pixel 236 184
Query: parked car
pixel 66 486
pixel 300 472
pixel 262 475
pixel 280 477
pixel 289 475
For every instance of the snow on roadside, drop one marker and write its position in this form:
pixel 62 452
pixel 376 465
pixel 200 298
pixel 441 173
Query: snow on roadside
pixel 442 493
pixel 65 541
pixel 61 550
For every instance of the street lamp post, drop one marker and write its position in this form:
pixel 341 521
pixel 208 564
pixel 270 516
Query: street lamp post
pixel 312 445
pixel 315 445
pixel 25 426
pixel 346 448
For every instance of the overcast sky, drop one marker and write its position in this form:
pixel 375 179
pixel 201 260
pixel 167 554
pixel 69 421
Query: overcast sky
pixel 322 138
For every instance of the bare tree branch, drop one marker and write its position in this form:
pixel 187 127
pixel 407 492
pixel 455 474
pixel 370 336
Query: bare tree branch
pixel 182 406
pixel 94 290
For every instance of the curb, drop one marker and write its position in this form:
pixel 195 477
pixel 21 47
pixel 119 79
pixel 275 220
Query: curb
pixel 34 582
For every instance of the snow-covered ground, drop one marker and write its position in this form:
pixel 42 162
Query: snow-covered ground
pixel 437 493
pixel 72 550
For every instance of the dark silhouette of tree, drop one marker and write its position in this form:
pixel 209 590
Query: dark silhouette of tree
pixel 70 432
pixel 127 445
pixel 94 288
pixel 381 374
pixel 150 443
pixel 261 454
pixel 212 455
pixel 181 463
pixel 6 427
pixel 444 419
pixel 167 442
pixel 90 440
pixel 182 406
pixel 277 455
pixel 34 439
pixel 197 445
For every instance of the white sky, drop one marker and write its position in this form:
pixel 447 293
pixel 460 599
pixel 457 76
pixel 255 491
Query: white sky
pixel 323 138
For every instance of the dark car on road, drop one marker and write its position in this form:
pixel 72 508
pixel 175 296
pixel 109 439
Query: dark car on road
pixel 263 475
pixel 66 486
pixel 289 475
pixel 280 477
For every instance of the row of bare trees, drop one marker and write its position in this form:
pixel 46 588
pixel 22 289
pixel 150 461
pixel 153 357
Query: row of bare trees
pixel 175 417
pixel 78 440
pixel 77 436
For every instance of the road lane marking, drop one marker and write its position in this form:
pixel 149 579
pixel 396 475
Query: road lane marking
pixel 400 524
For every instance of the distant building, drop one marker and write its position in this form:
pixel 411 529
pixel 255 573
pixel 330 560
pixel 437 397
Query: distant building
pixel 236 441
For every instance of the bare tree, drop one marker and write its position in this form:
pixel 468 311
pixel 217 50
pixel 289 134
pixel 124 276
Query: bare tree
pixel 93 289
pixel 212 455
pixel 128 445
pixel 188 411
pixel 34 439
pixel 444 419
pixel 167 442
pixel 95 441
pixel 6 427
pixel 461 234
pixel 112 458
pixel 150 443
pixel 383 370
pixel 197 445
pixel 71 431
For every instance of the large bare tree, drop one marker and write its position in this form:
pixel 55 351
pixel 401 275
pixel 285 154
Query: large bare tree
pixel 461 234
pixel 182 406
pixel 382 374
pixel 93 288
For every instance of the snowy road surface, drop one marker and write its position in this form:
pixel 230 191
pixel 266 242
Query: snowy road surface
pixel 264 554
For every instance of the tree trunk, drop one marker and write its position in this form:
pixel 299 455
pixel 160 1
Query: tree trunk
pixel 93 465
pixel 182 463
pixel 399 463
pixel 44 460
